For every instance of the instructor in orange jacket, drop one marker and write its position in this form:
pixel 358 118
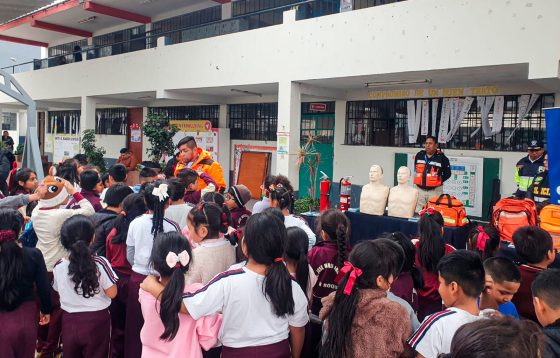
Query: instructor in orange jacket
pixel 191 156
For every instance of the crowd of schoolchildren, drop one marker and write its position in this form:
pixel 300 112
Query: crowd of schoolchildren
pixel 90 267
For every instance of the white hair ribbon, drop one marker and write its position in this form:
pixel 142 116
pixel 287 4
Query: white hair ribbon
pixel 172 259
pixel 161 192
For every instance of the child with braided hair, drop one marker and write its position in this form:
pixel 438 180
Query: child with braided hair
pixel 282 198
pixel 139 242
pixel 326 258
pixel 213 253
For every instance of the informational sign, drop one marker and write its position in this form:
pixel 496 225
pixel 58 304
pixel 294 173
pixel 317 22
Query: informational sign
pixel 282 142
pixel 205 136
pixel 65 146
pixel 434 92
pixel 465 183
pixel 135 135
pixel 552 116
pixel 318 107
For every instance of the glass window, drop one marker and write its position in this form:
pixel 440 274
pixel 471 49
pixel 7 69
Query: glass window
pixel 9 121
pixel 255 121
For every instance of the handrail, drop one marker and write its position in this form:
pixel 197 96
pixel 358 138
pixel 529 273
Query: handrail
pixel 149 35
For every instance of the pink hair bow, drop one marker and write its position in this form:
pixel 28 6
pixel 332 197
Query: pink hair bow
pixel 7 235
pixel 354 274
pixel 175 260
pixel 428 211
pixel 481 239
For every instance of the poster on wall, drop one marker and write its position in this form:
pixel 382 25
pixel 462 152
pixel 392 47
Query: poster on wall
pixel 135 135
pixel 65 146
pixel 205 136
pixel 465 183
pixel 282 142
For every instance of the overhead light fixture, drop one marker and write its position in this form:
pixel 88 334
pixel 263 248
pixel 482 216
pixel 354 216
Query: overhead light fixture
pixel 246 92
pixel 87 19
pixel 398 83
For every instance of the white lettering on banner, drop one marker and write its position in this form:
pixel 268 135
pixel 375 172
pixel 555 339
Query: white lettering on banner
pixel 484 105
pixel 465 106
pixel 444 122
pixel 525 105
pixel 435 103
pixel 425 116
pixel 498 116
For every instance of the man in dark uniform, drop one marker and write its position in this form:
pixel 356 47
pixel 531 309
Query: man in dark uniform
pixel 528 167
pixel 539 191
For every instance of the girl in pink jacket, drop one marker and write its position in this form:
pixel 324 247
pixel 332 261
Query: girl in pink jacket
pixel 166 333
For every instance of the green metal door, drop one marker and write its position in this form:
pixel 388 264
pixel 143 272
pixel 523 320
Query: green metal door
pixel 317 137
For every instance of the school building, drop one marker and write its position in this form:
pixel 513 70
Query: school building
pixel 367 79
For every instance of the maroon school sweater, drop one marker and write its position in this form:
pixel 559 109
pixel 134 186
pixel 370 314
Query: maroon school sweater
pixel 323 260
pixel 523 299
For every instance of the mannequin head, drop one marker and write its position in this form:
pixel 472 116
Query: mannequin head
pixel 403 175
pixel 375 173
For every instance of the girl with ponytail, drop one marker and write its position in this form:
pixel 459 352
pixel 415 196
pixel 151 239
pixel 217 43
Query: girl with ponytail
pixel 140 238
pixel 261 305
pixel 86 284
pixel 430 248
pixel 484 240
pixel 21 269
pixel 295 256
pixel 361 301
pixel 326 258
pixel 282 198
pixel 166 333
pixel 207 222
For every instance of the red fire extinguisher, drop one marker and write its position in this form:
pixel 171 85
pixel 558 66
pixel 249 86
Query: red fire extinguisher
pixel 345 191
pixel 325 191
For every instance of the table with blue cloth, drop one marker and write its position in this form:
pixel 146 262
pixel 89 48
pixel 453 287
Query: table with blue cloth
pixel 368 227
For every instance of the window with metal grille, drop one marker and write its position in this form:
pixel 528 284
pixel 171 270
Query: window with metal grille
pixel 64 122
pixel 384 123
pixel 210 113
pixel 362 4
pixel 255 121
pixel 113 121
pixel 9 121
pixel 167 27
pixel 114 43
pixel 67 48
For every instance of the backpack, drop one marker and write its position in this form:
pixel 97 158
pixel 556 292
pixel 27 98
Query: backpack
pixel 451 208
pixel 550 222
pixel 509 214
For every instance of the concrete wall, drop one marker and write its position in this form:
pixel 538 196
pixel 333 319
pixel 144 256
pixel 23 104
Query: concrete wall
pixel 396 38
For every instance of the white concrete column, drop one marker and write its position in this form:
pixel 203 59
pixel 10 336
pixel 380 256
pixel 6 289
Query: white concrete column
pixel 87 116
pixel 339 134
pixel 288 133
pixel 557 100
pixel 222 117
pixel 227 10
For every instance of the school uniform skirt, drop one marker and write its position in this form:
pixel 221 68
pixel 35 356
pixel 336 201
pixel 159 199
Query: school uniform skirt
pixel 118 316
pixel 275 350
pixel 134 318
pixel 18 331
pixel 86 334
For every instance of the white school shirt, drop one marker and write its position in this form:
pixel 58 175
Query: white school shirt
pixel 437 330
pixel 291 221
pixel 72 302
pixel 248 318
pixel 178 213
pixel 141 238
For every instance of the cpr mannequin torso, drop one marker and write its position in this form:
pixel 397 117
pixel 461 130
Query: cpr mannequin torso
pixel 403 197
pixel 373 199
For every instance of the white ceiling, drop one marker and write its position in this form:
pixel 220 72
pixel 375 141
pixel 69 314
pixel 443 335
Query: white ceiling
pixel 155 9
pixel 10 9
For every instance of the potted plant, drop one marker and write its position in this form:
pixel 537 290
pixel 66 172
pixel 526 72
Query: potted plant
pixel 94 154
pixel 160 133
pixel 309 157
pixel 19 153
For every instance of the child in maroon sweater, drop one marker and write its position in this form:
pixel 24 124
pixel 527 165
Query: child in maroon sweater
pixel 534 246
pixel 132 207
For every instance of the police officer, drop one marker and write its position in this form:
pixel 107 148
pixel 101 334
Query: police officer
pixel 539 191
pixel 528 167
pixel 432 169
